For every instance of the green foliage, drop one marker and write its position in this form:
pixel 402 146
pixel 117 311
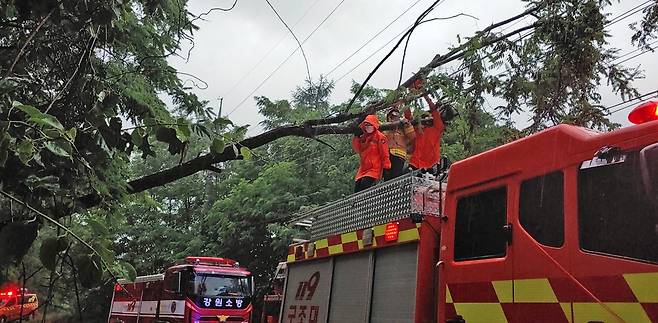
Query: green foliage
pixel 90 270
pixel 50 250
pixel 20 237
pixel 555 73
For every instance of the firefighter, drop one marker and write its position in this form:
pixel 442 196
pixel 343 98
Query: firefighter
pixel 372 147
pixel 427 146
pixel 400 143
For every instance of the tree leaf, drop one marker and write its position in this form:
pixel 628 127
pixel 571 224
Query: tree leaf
pixel 97 227
pixel 19 236
pixel 50 248
pixel 131 273
pixel 217 146
pixel 59 147
pixel 136 136
pixel 49 182
pixel 183 129
pixel 31 111
pixel 47 120
pixel 222 122
pixel 90 271
pixel 71 133
pixel 245 152
pixel 38 117
pixel 25 151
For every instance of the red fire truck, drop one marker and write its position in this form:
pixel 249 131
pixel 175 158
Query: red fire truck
pixel 560 226
pixel 16 303
pixel 202 289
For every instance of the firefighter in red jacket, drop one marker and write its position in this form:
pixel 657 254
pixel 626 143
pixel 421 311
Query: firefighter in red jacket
pixel 427 146
pixel 372 148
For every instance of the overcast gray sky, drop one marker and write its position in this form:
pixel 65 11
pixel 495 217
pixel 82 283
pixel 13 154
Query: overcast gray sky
pixel 229 45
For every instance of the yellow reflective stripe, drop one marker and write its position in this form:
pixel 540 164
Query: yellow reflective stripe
pixel 348 237
pixel 335 249
pixel 533 291
pixel 629 312
pixel 503 290
pixel 398 152
pixel 408 235
pixel 291 258
pixel 448 295
pixel 566 308
pixel 481 312
pixel 644 286
pixel 321 244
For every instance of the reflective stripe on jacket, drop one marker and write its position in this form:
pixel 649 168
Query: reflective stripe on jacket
pixel 399 140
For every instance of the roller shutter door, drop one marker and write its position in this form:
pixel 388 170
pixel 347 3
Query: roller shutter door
pixel 394 288
pixel 350 291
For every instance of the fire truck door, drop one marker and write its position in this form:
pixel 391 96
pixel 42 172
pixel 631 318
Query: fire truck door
pixel 478 271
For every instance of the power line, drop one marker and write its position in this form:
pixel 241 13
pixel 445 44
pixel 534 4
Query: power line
pixel 372 38
pixel 381 62
pixel 633 52
pixel 308 71
pixel 373 53
pixel 406 45
pixel 287 58
pixel 628 13
pixel 270 51
pixel 638 98
pixel 650 50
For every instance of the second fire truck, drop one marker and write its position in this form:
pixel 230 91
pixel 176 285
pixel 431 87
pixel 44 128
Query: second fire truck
pixel 202 289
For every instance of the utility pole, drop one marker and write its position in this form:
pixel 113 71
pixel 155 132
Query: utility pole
pixel 221 102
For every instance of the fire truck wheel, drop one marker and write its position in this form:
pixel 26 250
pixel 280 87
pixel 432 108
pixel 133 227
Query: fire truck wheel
pixel 3 319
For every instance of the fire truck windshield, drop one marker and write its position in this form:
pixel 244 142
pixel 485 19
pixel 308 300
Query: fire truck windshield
pixel 219 285
pixel 618 213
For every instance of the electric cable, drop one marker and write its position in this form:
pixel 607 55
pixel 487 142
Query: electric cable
pixel 372 73
pixel 628 13
pixel 644 96
pixel 372 38
pixel 286 60
pixel 308 71
pixel 270 51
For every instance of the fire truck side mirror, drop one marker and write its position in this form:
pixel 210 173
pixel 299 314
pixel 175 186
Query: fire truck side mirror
pixel 649 169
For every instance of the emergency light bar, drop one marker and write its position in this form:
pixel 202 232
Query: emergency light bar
pixel 212 261
pixel 645 112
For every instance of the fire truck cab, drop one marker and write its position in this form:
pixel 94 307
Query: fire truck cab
pixel 560 226
pixel 17 303
pixel 202 289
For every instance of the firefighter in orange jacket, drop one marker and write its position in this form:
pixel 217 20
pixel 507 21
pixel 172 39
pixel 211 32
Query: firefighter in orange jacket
pixel 427 146
pixel 372 148
pixel 400 142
